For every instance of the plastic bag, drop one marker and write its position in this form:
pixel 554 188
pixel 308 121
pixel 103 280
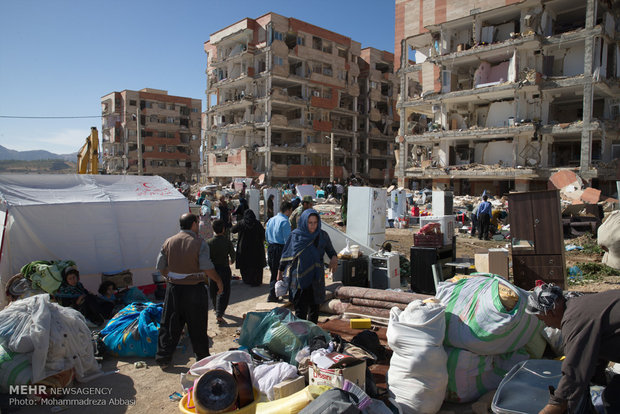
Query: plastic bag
pixel 134 330
pixel 280 332
pixel 346 252
pixel 282 286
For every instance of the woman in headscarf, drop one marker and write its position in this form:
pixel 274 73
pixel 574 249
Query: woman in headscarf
pixel 205 226
pixel 250 249
pixel 269 209
pixel 302 262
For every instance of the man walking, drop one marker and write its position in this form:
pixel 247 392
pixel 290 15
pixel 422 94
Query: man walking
pixel 185 262
pixel 306 203
pixel 484 217
pixel 277 231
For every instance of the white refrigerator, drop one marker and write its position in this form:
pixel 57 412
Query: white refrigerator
pixel 277 200
pixel 366 215
pixel 252 196
pixel 398 204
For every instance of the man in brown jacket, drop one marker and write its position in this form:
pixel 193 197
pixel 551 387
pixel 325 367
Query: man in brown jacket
pixel 185 262
pixel 590 327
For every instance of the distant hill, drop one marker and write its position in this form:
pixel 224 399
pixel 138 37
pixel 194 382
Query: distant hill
pixel 48 166
pixel 34 155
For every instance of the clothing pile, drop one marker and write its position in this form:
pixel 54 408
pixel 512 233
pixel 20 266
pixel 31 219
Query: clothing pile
pixel 39 339
pixel 295 371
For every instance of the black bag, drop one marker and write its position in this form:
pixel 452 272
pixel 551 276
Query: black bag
pixel 334 401
pixel 369 341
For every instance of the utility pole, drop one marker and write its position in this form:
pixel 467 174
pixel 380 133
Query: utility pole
pixel 125 148
pixel 331 159
pixel 139 139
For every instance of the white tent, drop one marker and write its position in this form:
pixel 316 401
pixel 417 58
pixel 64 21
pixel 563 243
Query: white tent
pixel 105 223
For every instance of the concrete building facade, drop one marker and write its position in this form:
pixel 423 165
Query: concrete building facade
pixel 379 119
pixel 500 94
pixel 277 89
pixel 169 134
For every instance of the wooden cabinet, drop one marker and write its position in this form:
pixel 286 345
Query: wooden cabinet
pixel 537 239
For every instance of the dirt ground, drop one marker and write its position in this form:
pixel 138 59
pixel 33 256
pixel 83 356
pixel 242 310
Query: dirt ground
pixel 147 389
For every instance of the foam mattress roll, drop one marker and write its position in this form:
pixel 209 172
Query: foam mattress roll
pixel 215 392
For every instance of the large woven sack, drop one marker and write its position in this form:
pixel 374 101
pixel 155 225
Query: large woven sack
pixel 608 236
pixel 417 377
pixel 477 321
pixel 471 376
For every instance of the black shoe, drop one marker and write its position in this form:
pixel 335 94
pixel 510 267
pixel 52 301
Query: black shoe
pixel 164 365
pixel 273 299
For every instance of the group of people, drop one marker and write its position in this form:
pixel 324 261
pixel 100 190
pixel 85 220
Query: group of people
pixel 296 245
pixel 95 308
pixel 484 219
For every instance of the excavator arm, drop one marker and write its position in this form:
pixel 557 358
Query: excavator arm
pixel 88 155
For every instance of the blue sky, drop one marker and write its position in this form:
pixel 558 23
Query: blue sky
pixel 57 58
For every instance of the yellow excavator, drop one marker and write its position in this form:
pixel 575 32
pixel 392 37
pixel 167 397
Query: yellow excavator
pixel 88 155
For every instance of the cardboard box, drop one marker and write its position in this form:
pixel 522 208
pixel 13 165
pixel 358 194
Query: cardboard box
pixel 335 376
pixel 492 261
pixel 288 387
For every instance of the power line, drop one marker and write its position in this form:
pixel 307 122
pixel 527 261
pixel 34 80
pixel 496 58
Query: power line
pixel 49 117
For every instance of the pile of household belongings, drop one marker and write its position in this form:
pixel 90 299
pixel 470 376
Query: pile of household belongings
pixel 459 345
pixel 133 331
pixel 284 364
pixel 43 343
pixel 37 277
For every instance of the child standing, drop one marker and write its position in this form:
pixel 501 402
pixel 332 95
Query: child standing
pixel 221 249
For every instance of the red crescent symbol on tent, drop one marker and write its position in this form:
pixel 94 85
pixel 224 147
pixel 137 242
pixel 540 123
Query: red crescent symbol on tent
pixel 146 185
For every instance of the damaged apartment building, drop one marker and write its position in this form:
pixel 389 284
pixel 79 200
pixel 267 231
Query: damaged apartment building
pixel 499 97
pixel 167 142
pixel 279 89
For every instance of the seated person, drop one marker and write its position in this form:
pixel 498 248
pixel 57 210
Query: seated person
pixel 107 291
pixel 72 293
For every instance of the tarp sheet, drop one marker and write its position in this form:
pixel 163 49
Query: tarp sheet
pixel 104 223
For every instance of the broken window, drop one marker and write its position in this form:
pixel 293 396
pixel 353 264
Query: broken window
pixel 327 69
pixel 342 53
pixel 327 46
pixel 317 43
pixel 132 102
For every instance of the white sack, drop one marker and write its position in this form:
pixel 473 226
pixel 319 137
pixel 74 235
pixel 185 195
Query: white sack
pixel 608 236
pixel 57 337
pixel 417 377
